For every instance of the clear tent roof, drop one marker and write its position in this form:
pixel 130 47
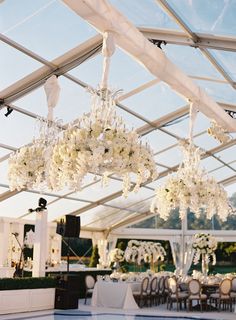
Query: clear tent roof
pixel 44 33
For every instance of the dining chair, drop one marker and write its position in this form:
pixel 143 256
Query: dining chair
pixel 194 293
pixel 174 295
pixel 89 286
pixel 233 290
pixel 152 291
pixel 166 288
pixel 223 297
pixel 142 295
pixel 161 288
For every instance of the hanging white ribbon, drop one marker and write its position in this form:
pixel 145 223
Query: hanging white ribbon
pixel 52 90
pixel 108 48
pixel 192 118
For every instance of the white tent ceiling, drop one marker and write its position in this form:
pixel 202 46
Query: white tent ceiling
pixel 41 38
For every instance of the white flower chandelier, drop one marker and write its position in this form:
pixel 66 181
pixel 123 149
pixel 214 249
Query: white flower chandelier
pixel 98 143
pixel 205 246
pixel 191 188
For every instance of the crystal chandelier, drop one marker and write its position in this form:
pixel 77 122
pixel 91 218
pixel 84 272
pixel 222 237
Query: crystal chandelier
pixel 100 143
pixel 28 166
pixel 97 143
pixel 191 188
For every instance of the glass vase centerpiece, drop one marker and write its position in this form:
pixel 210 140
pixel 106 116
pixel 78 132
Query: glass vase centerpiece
pixel 116 256
pixel 204 246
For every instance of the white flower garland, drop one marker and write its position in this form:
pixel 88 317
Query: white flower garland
pixel 204 245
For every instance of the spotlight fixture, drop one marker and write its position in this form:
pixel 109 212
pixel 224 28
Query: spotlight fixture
pixel 42 205
pixel 9 111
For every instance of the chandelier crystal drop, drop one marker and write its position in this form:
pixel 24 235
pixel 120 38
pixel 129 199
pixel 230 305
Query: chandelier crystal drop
pixel 100 143
pixel 191 188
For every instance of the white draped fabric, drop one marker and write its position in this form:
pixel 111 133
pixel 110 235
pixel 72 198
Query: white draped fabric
pixel 114 295
pixel 182 252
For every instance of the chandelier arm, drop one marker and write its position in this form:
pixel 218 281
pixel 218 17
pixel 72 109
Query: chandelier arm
pixel 108 49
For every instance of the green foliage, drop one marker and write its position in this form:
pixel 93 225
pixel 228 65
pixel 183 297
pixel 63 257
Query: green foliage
pixel 27 283
pixel 94 258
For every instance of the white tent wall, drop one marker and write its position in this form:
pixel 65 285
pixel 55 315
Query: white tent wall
pixel 9 226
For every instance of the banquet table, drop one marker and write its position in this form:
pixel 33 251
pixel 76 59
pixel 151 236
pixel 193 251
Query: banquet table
pixel 114 295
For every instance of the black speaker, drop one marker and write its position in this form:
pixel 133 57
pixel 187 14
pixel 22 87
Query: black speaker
pixel 64 299
pixel 70 228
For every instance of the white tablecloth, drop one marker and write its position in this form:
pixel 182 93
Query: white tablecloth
pixel 114 295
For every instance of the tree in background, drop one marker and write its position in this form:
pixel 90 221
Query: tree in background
pixel 94 258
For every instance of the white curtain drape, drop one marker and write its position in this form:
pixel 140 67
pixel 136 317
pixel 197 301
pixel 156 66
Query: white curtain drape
pixel 182 254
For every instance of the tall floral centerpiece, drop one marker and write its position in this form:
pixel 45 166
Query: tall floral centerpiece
pixel 116 256
pixel 144 251
pixel 205 246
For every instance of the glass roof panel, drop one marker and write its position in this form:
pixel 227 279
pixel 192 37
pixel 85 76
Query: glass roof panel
pixel 19 204
pixel 228 154
pixel 72 103
pixel 24 129
pixel 98 191
pixel 22 21
pixel 173 222
pixel 145 13
pixel 228 60
pixel 4 152
pixel 159 140
pixel 210 164
pixel 155 101
pixel 184 56
pixel 170 157
pixel 125 73
pixel 206 142
pixel 222 173
pixel 219 91
pixel 133 198
pixel 4 172
pixel 231 188
pixel 2 190
pixel 95 214
pixel 181 126
pixel 63 207
pixel 14 71
pixel 214 17
pixel 110 220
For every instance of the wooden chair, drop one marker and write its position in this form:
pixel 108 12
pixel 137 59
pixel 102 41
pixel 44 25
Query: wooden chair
pixel 194 293
pixel 223 297
pixel 152 291
pixel 174 295
pixel 166 287
pixel 142 295
pixel 89 286
pixel 233 290
pixel 161 289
